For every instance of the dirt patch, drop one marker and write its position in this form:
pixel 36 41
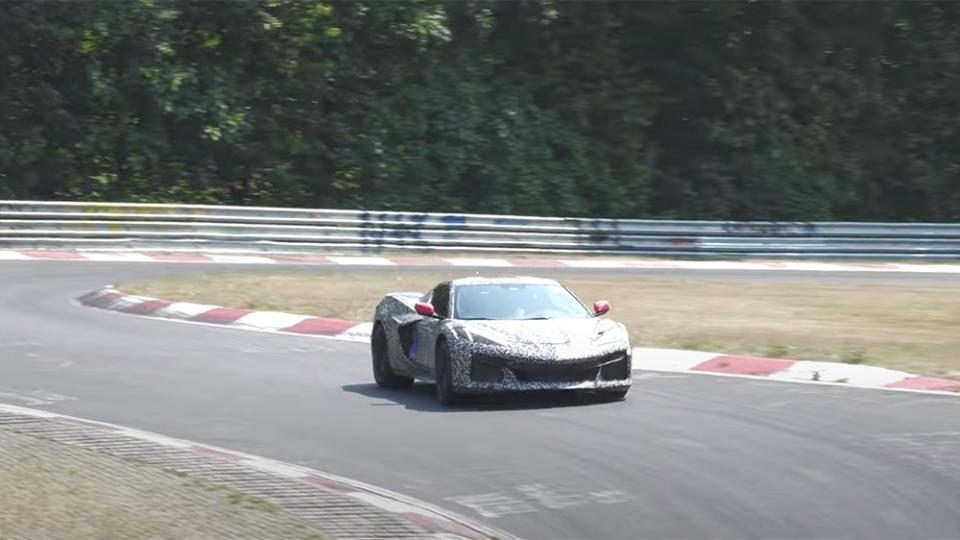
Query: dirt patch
pixel 913 328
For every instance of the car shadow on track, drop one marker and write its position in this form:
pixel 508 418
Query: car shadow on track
pixel 419 397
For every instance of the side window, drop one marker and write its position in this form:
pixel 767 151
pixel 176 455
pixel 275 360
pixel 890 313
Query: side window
pixel 441 300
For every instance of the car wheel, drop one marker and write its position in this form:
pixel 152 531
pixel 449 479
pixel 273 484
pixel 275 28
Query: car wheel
pixel 444 375
pixel 382 372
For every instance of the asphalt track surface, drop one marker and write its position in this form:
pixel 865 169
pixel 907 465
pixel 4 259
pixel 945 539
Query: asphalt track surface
pixel 685 456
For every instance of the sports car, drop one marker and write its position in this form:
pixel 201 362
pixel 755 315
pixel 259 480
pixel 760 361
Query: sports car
pixel 484 335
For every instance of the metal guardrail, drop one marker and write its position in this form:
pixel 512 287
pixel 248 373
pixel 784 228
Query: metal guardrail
pixel 102 226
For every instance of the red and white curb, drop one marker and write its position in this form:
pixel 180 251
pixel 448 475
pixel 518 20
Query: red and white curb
pixel 471 262
pixel 645 359
pixel 269 321
pixel 782 369
pixel 439 523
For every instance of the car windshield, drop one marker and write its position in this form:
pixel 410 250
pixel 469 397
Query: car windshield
pixel 516 301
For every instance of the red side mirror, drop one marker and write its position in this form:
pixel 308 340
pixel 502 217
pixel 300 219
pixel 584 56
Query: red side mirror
pixel 600 307
pixel 425 309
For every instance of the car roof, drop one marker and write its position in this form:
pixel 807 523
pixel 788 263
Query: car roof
pixel 512 280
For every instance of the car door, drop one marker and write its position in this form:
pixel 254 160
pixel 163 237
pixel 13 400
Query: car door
pixel 428 329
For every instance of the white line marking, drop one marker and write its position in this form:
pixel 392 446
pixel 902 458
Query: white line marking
pixel 930 268
pixel 13 409
pixel 279 469
pixel 36 397
pixel 479 262
pixel 391 505
pixel 494 505
pixel 13 256
pixel 118 257
pixel 613 496
pixel 718 265
pixel 153 437
pixel 241 259
pixel 552 498
pixel 818 267
pixel 362 261
pixel 586 263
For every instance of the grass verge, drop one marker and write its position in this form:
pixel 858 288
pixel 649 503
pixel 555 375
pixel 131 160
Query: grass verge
pixel 908 327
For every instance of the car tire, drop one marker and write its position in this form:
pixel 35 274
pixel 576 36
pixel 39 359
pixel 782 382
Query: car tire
pixel 382 372
pixel 445 392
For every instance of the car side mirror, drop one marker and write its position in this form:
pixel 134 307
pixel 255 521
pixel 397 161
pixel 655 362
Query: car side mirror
pixel 600 307
pixel 425 309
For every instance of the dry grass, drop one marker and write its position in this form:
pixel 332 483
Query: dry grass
pixel 915 328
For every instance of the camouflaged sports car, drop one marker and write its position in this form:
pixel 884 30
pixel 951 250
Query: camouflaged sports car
pixel 482 335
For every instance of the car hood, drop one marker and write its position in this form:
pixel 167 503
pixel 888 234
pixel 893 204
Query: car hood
pixel 556 332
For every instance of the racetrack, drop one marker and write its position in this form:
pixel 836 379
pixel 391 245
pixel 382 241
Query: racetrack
pixel 685 456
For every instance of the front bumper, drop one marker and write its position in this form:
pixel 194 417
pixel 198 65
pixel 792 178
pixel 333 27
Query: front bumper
pixel 486 373
pixel 473 387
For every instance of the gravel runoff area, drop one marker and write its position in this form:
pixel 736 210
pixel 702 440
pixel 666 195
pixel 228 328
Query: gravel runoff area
pixel 56 491
pixel 910 327
pixel 73 479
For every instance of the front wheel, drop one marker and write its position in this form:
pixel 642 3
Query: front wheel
pixel 444 376
pixel 382 372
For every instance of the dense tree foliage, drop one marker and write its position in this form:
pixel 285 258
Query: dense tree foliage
pixel 743 110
